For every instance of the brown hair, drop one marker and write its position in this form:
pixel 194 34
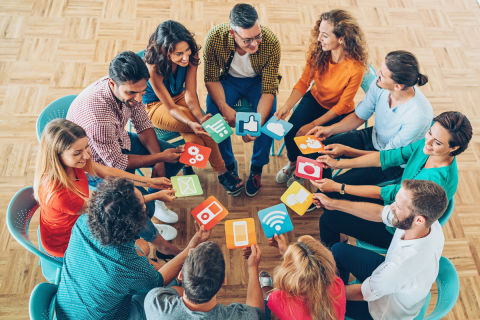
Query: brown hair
pixel 307 273
pixel 344 25
pixel 428 199
pixel 405 69
pixel 459 128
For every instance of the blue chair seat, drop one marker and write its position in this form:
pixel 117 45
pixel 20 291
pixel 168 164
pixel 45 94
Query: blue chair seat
pixel 40 306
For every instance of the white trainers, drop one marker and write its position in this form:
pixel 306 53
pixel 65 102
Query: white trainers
pixel 164 214
pixel 283 177
pixel 293 178
pixel 167 232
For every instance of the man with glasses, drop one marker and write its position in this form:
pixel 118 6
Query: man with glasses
pixel 241 60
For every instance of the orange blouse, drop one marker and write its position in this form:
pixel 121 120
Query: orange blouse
pixel 336 87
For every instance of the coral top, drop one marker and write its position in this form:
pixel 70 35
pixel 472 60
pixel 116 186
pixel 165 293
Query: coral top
pixel 336 87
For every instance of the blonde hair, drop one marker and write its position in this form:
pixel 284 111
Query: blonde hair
pixel 307 273
pixel 50 172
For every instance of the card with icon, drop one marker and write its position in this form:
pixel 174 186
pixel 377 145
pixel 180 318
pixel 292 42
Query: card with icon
pixel 309 144
pixel 209 212
pixel 186 186
pixel 275 220
pixel 309 169
pixel 240 233
pixel 276 129
pixel 248 123
pixel 297 198
pixel 195 155
pixel 218 128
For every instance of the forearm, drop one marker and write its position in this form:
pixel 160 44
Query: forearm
pixel 265 106
pixel 364 191
pixel 179 115
pixel 150 141
pixel 136 161
pixel 355 153
pixel 329 116
pixel 295 96
pixel 194 106
pixel 171 269
pixel 349 123
pixel 254 292
pixel 150 197
pixel 104 171
pixel 365 210
pixel 353 292
pixel 365 161
pixel 216 92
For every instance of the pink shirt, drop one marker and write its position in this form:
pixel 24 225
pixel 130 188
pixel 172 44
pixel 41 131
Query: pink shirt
pixel 285 308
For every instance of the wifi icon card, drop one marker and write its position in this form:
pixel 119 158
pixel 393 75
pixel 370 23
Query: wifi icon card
pixel 275 220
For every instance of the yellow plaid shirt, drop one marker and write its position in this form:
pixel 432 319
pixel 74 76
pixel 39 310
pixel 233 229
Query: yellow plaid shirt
pixel 219 45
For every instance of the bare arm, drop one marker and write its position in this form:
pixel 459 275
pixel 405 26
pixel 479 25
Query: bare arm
pixel 216 92
pixel 254 292
pixel 349 123
pixel 104 171
pixel 191 93
pixel 365 210
pixel 265 106
pixel 283 112
pixel 353 292
pixel 365 161
pixel 355 153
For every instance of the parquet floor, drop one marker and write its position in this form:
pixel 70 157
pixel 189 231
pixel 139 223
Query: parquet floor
pixel 51 48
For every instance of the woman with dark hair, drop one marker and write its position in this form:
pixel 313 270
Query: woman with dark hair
pixel 432 158
pixel 336 62
pixel 171 96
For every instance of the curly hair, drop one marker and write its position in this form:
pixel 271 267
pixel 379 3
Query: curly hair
pixel 162 43
pixel 344 25
pixel 115 214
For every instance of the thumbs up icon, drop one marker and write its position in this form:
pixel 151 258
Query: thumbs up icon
pixel 248 123
pixel 251 125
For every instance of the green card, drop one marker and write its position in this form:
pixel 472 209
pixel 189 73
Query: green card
pixel 218 128
pixel 186 186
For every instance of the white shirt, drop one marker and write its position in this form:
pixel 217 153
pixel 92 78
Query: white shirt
pixel 241 66
pixel 397 289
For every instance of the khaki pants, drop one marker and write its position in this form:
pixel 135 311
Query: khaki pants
pixel 162 119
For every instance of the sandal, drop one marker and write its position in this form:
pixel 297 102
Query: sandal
pixel 164 257
pixel 265 279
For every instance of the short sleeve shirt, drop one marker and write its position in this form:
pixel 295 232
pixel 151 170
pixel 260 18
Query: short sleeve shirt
pixel 98 282
pixel 59 214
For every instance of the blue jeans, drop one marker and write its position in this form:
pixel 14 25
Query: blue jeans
pixel 137 308
pixel 361 263
pixel 251 89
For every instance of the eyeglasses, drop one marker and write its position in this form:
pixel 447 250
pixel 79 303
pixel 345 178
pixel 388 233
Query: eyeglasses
pixel 248 41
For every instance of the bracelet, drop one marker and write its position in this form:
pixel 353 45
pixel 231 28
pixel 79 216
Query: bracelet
pixel 188 122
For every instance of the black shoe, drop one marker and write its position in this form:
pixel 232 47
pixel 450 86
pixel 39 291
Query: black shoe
pixel 229 182
pixel 187 171
pixel 253 184
pixel 311 208
pixel 164 257
pixel 235 170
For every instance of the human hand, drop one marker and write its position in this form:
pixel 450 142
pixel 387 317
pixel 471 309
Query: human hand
pixel 230 116
pixel 165 195
pixel 160 183
pixel 327 185
pixel 198 129
pixel 282 113
pixel 248 138
pixel 335 150
pixel 329 162
pixel 322 201
pixel 305 130
pixel 158 170
pixel 205 118
pixel 320 132
pixel 201 235
pixel 278 242
pixel 172 154
pixel 254 259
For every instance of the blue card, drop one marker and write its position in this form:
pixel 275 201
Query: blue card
pixel 275 220
pixel 248 123
pixel 276 129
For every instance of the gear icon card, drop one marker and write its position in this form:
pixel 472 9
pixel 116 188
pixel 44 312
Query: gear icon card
pixel 195 155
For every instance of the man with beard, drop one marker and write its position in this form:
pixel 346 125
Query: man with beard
pixel 402 116
pixel 393 286
pixel 103 110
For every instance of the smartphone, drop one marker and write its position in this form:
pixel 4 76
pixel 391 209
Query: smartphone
pixel 240 234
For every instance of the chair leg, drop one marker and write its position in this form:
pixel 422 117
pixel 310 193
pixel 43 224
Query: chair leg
pixel 281 149
pixel 272 149
pixel 140 172
pixel 337 173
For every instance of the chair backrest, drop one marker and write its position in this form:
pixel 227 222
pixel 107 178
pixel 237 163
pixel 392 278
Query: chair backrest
pixel 243 106
pixel 55 110
pixel 368 77
pixel 448 212
pixel 448 286
pixel 40 301
pixel 19 213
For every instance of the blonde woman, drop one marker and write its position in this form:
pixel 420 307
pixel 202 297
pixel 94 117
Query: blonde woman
pixel 61 188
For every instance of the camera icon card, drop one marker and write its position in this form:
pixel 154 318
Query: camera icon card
pixel 186 186
pixel 195 155
pixel 209 212
pixel 309 144
pixel 240 233
pixel 276 129
pixel 309 169
pixel 218 128
pixel 297 198
pixel 248 123
pixel 275 220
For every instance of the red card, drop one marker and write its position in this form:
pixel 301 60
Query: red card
pixel 309 169
pixel 195 155
pixel 209 212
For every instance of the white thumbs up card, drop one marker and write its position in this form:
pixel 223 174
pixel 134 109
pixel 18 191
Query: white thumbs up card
pixel 248 123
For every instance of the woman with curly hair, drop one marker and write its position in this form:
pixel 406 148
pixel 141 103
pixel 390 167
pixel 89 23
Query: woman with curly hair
pixel 171 96
pixel 336 62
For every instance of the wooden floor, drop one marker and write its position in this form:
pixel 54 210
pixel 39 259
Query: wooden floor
pixel 52 48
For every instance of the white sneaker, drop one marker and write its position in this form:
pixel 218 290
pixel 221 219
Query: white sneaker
pixel 293 178
pixel 167 232
pixel 283 177
pixel 164 214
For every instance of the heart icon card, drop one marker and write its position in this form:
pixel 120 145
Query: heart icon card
pixel 186 186
pixel 309 169
pixel 240 233
pixel 297 198
pixel 275 220
pixel 309 144
pixel 276 129
pixel 248 123
pixel 209 212
pixel 218 128
pixel 195 155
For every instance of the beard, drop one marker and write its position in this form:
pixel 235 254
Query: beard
pixel 404 224
pixel 129 103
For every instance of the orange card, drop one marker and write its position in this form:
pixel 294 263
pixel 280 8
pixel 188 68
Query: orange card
pixel 195 155
pixel 209 212
pixel 240 233
pixel 309 144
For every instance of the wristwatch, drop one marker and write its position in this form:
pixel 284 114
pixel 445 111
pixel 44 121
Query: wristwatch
pixel 342 189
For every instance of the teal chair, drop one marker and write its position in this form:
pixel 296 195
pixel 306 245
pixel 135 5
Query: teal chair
pixel 448 286
pixel 365 85
pixel 443 220
pixel 19 213
pixel 41 305
pixel 56 109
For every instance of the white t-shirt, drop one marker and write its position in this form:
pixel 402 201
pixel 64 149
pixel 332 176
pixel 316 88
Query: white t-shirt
pixel 241 66
pixel 397 289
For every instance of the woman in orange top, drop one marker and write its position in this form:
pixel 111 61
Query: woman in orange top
pixel 336 62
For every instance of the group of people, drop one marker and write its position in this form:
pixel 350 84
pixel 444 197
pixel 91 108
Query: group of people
pixel 107 272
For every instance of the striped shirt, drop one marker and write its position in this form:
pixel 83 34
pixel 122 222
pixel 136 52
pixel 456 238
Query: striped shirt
pixel 265 62
pixel 104 118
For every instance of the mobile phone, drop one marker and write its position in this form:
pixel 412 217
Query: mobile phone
pixel 240 234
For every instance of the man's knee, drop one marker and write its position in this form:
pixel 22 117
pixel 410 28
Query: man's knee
pixel 327 219
pixel 338 249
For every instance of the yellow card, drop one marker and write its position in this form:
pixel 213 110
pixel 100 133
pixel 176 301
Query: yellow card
pixel 297 198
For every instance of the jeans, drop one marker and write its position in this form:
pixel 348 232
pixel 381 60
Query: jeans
pixel 307 110
pixel 361 140
pixel 251 89
pixel 361 263
pixel 137 308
